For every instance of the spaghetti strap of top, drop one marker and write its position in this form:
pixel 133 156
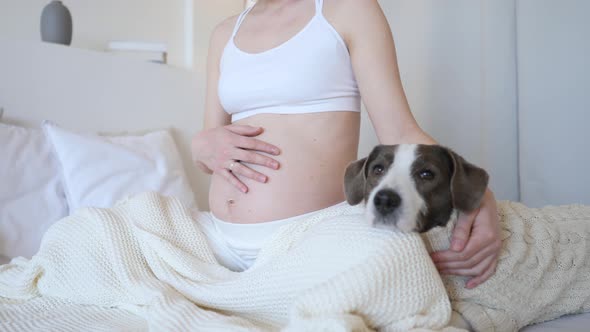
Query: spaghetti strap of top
pixel 319 5
pixel 241 19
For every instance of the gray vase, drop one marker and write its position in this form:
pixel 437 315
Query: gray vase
pixel 56 24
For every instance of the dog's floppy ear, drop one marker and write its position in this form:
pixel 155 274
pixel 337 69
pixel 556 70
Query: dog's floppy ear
pixel 354 181
pixel 468 183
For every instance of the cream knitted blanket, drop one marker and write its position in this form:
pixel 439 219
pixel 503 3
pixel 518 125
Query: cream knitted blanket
pixel 145 264
pixel 543 271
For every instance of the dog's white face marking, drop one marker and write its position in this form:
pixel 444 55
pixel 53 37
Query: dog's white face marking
pixel 399 179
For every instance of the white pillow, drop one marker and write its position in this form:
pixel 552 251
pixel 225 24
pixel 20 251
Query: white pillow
pixel 31 192
pixel 98 170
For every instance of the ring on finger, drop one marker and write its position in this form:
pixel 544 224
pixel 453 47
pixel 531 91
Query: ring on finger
pixel 232 164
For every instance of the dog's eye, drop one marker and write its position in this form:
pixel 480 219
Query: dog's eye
pixel 426 174
pixel 378 169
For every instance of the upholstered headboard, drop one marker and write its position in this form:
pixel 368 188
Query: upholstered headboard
pixel 91 91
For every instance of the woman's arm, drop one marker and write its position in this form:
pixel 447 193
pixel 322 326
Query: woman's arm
pixel 215 116
pixel 374 61
pixel 476 238
pixel 220 146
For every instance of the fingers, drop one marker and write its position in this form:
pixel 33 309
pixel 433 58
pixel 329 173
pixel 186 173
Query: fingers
pixel 247 156
pixel 243 140
pixel 479 247
pixel 231 178
pixel 238 144
pixel 255 158
pixel 254 144
pixel 466 259
pixel 481 273
pixel 462 230
pixel 247 142
pixel 474 282
pixel 239 168
pixel 243 130
pixel 476 270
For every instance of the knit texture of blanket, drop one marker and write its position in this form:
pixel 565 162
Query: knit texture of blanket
pixel 543 271
pixel 145 264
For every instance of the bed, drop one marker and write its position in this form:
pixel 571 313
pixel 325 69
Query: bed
pixel 58 100
pixel 65 109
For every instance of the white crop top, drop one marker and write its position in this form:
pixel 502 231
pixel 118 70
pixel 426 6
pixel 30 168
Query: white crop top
pixel 311 72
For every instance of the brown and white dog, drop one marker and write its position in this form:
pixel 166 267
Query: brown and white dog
pixel 414 187
pixel 543 273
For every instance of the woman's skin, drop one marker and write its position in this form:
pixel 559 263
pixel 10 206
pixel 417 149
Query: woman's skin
pixel 294 164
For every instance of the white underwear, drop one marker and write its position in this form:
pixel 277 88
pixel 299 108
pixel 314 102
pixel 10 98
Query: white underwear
pixel 236 246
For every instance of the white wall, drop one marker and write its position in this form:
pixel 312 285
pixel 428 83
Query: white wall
pixel 452 86
pixel 458 61
pixel 506 83
pixel 458 65
pixel 91 91
pixel 554 101
pixel 208 14
pixel 97 22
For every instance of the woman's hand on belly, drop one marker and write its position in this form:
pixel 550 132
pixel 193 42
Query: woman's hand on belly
pixel 220 150
pixel 315 149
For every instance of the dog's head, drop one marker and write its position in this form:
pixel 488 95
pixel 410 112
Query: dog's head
pixel 414 187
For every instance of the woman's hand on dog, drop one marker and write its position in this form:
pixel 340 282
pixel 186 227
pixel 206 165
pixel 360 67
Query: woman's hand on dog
pixel 475 246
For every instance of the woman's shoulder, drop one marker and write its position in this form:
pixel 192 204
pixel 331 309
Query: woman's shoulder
pixel 223 31
pixel 350 6
pixel 346 15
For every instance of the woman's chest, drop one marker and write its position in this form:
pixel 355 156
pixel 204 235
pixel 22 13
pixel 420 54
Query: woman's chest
pixel 257 35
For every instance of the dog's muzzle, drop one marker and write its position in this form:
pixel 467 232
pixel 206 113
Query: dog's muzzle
pixel 386 201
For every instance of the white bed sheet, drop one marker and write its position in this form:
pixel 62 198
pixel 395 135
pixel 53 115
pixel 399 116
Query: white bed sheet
pixel 571 323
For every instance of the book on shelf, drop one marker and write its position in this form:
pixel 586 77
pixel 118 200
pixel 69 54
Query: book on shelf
pixel 147 51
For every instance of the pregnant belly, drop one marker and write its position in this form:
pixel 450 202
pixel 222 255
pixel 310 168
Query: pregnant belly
pixel 315 150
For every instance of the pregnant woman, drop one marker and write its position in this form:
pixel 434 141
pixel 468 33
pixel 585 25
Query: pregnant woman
pixel 285 81
pixel 282 115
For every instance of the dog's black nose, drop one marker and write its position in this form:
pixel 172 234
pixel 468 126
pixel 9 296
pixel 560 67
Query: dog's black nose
pixel 386 201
